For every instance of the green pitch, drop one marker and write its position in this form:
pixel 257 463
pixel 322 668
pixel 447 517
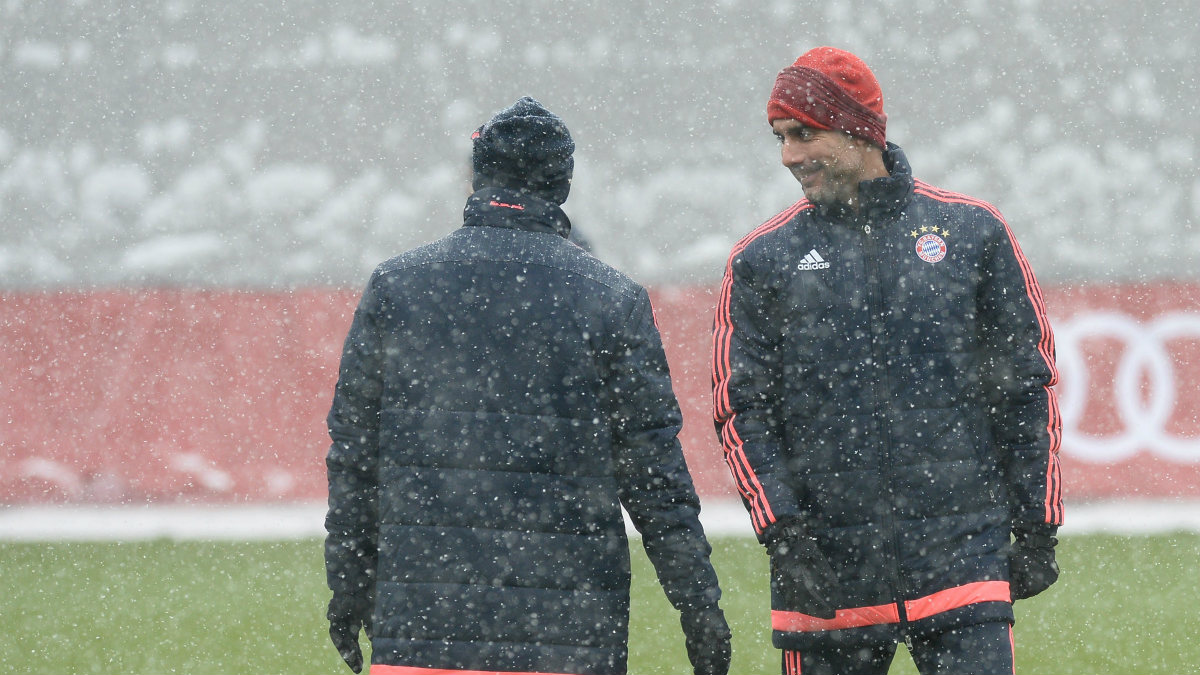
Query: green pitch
pixel 1123 605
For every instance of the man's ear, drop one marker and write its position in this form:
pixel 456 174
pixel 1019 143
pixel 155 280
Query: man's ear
pixel 862 143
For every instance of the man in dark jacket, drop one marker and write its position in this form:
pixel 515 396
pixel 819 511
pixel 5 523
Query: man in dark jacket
pixel 883 375
pixel 502 395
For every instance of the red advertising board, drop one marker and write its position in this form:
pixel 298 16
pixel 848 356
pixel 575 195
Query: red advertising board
pixel 133 396
pixel 1129 365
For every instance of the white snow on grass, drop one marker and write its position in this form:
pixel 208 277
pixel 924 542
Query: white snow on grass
pixel 297 521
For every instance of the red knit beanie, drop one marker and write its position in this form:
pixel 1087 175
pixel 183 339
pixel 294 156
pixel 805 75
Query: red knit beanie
pixel 828 88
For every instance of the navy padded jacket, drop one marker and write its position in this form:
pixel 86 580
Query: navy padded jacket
pixel 502 394
pixel 887 378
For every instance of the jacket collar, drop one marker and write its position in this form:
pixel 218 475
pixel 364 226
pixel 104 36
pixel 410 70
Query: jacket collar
pixel 515 210
pixel 881 198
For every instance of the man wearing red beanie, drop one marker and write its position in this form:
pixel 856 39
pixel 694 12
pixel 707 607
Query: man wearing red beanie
pixel 883 379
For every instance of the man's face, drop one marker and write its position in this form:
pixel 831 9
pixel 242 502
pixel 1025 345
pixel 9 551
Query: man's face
pixel 828 164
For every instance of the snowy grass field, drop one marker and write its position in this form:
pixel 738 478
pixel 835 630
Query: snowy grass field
pixel 1126 604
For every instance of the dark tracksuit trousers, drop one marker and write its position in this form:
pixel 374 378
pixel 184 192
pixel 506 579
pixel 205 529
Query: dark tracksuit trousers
pixel 980 649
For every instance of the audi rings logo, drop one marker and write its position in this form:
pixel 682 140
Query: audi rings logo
pixel 1146 388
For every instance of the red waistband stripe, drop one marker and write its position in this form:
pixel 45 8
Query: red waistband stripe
pixel 921 608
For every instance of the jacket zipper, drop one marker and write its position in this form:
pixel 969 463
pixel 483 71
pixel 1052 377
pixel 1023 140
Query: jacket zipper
pixel 879 356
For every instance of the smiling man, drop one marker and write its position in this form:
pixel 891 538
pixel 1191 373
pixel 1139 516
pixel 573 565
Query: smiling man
pixel 883 376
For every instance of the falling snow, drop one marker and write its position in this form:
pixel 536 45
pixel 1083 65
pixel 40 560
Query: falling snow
pixel 153 144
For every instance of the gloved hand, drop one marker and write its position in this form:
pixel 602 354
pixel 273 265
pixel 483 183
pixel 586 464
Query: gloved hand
pixel 1031 565
pixel 800 573
pixel 347 615
pixel 706 635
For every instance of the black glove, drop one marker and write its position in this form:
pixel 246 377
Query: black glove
pixel 800 573
pixel 347 615
pixel 707 638
pixel 1031 565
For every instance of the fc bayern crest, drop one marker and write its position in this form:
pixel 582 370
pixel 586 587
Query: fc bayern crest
pixel 931 248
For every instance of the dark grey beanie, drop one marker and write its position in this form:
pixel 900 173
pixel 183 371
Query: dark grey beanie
pixel 524 147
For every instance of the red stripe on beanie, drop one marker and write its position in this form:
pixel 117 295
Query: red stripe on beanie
pixel 829 88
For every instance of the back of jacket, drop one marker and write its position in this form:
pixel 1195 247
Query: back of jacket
pixel 502 393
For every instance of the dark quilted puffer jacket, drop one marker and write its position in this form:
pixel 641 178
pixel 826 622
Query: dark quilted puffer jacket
pixel 502 394
pixel 887 379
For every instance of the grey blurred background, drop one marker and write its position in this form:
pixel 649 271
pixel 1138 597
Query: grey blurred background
pixel 285 144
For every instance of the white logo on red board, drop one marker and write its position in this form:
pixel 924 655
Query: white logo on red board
pixel 1149 389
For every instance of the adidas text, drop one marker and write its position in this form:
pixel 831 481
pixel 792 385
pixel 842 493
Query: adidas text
pixel 812 261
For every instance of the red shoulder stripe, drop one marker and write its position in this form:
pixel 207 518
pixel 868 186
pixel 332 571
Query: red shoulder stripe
pixel 743 473
pixel 1053 498
pixel 723 326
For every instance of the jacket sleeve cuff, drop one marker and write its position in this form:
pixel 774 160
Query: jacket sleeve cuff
pixel 785 529
pixel 1036 534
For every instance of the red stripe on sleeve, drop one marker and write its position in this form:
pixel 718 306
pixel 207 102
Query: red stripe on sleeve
pixel 733 447
pixel 1053 498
